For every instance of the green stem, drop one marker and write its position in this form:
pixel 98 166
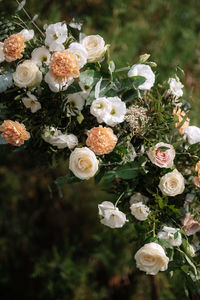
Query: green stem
pixel 29 17
pixel 119 199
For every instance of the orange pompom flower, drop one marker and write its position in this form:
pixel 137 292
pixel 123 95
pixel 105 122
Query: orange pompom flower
pixel 101 140
pixel 14 132
pixel 64 65
pixel 13 47
pixel 181 114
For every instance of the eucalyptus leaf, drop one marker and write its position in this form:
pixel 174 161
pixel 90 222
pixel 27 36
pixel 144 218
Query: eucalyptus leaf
pixel 89 77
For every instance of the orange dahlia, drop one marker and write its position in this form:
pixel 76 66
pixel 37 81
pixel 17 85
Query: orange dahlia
pixel 13 47
pixel 101 140
pixel 181 114
pixel 14 132
pixel 64 65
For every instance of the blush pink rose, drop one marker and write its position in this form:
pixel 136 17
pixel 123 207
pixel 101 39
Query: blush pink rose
pixel 160 157
pixel 190 225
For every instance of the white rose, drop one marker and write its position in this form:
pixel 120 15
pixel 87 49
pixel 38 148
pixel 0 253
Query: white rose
pixel 112 216
pixel 83 163
pixel 56 35
pixel 41 55
pixel 54 85
pixel 27 74
pixel 31 102
pixel 192 134
pixel 172 184
pixel 168 233
pixel 27 34
pixel 2 56
pixel 56 138
pixel 144 71
pixel 140 211
pixel 76 103
pixel 95 47
pixel 80 53
pixel 151 258
pixel 175 87
pixel 108 110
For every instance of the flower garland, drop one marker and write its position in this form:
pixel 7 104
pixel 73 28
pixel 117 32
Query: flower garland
pixel 62 96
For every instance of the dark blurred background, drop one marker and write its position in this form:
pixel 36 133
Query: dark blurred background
pixel 51 243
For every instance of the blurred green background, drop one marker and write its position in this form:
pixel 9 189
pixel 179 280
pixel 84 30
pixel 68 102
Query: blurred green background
pixel 52 245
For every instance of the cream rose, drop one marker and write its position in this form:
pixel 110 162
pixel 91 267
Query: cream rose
pixel 83 163
pixel 151 258
pixel 160 157
pixel 140 211
pixel 27 74
pixel 172 184
pixel 95 47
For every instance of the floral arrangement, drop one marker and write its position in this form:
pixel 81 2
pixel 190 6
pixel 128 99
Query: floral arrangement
pixel 62 96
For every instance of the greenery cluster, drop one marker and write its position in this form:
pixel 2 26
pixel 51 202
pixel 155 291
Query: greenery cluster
pixel 53 258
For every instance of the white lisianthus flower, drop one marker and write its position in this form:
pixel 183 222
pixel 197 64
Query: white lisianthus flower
pixel 56 138
pixel 95 47
pixel 80 53
pixel 85 90
pixel 31 102
pixel 151 258
pixel 76 102
pixel 138 197
pixel 117 113
pixel 140 211
pixel 27 74
pixel 172 184
pixel 54 85
pixel 144 71
pixel 100 108
pixel 192 134
pixel 27 34
pixel 83 163
pixel 41 55
pixel 112 216
pixel 175 87
pixel 108 110
pixel 56 35
pixel 168 233
pixel 2 56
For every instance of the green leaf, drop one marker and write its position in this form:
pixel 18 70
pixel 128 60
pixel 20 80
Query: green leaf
pixel 130 95
pixel 80 118
pixel 109 176
pixel 163 149
pixel 73 88
pixel 128 171
pixel 165 243
pixel 66 179
pixel 89 77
